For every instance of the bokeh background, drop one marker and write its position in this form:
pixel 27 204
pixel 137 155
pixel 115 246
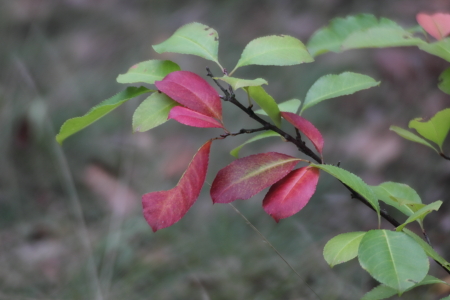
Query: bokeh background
pixel 70 220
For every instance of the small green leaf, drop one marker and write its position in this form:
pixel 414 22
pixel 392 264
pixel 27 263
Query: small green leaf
pixel 444 81
pixel 342 248
pixel 148 71
pixel 237 83
pixel 274 50
pixel 387 190
pixel 436 129
pixel 446 298
pixel 411 136
pixel 393 258
pixel 74 125
pixel 194 38
pixel 152 112
pixel 332 86
pixel 286 106
pixel 420 214
pixel 266 134
pixel 266 102
pixel 440 48
pixel 354 182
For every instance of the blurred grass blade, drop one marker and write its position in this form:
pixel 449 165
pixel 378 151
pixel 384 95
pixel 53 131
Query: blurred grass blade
pixel 148 71
pixel 152 112
pixel 411 136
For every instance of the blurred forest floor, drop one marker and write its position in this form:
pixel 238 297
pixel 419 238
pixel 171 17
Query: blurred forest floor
pixel 70 220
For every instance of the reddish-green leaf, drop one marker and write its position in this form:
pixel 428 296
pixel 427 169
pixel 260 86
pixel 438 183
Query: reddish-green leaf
pixel 249 175
pixel 289 195
pixel 164 208
pixel 189 117
pixel 192 91
pixel 437 25
pixel 307 128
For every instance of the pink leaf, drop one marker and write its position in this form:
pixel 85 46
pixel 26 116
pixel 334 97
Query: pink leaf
pixel 437 25
pixel 249 175
pixel 289 195
pixel 164 208
pixel 307 128
pixel 189 117
pixel 192 91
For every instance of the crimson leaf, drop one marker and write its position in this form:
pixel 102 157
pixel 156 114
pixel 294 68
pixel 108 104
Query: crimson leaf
pixel 189 117
pixel 307 128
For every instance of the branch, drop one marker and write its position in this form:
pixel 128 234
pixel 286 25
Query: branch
pixel 444 156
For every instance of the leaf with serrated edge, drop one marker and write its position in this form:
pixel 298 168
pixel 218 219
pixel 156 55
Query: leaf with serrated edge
pixel 444 81
pixel 266 102
pixel 291 106
pixel 381 37
pixel 436 129
pixel 247 176
pixel 189 117
pixel 194 38
pixel 192 91
pixel 266 134
pixel 164 208
pixel 274 50
pixel 440 48
pixel 411 136
pixel 237 83
pixel 393 258
pixel 289 195
pixel 148 71
pixel 437 25
pixel 152 112
pixel 307 128
pixel 389 189
pixel 332 86
pixel 421 214
pixel 74 125
pixel 342 248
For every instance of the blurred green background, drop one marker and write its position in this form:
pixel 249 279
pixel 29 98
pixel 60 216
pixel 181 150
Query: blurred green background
pixel 70 220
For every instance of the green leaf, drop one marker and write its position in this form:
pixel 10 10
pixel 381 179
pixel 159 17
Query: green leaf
pixel 194 38
pixel 393 258
pixel 332 86
pixel 266 134
pixel 420 214
pixel 74 125
pixel 446 298
pixel 274 50
pixel 266 102
pixel 411 136
pixel 440 48
pixel 342 248
pixel 386 190
pixel 436 129
pixel 148 71
pixel 152 112
pixel 444 81
pixel 427 248
pixel 237 83
pixel 286 106
pixel 354 182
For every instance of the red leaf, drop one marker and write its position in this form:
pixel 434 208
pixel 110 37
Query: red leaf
pixel 189 117
pixel 164 208
pixel 249 175
pixel 192 91
pixel 437 25
pixel 307 128
pixel 289 195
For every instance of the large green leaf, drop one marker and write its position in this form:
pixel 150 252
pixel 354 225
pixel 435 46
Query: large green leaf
pixel 331 86
pixel 342 248
pixel 152 112
pixel 387 190
pixel 266 102
pixel 411 136
pixel 436 129
pixel 286 106
pixel 440 48
pixel 444 81
pixel 263 135
pixel 74 125
pixel 237 83
pixel 194 38
pixel 420 214
pixel 393 258
pixel 274 50
pixel 354 182
pixel 148 71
